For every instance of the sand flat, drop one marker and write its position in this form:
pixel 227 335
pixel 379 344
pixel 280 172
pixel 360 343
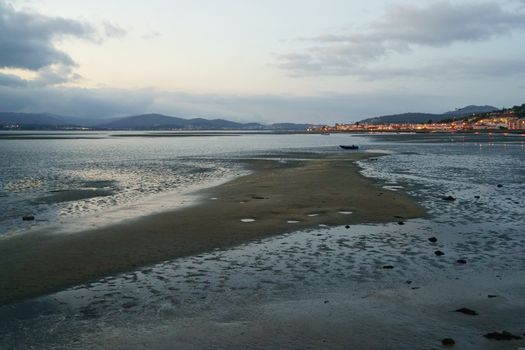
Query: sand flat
pixel 35 264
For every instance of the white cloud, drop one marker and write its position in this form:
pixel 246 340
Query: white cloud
pixel 402 29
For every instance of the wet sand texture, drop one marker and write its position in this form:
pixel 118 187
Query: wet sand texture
pixel 274 194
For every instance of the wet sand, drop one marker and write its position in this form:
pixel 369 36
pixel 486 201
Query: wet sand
pixel 281 196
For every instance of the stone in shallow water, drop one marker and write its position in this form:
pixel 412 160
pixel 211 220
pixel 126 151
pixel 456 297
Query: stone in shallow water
pixel 314 214
pixel 293 221
pixel 28 218
pixel 504 335
pixel 448 342
pixel 345 212
pixel 247 220
pixel 467 311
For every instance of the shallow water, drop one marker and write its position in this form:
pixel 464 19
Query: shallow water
pixel 60 178
pixel 185 300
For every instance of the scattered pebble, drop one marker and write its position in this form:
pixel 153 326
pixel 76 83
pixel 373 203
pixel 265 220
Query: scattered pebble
pixel 28 218
pixel 477 197
pixel 433 239
pixel 400 223
pixel 467 311
pixel 448 342
pixel 504 335
pixel 347 226
pixel 314 214
pixel 345 212
pixel 293 221
pixel 492 296
pixel 247 220
pixel 449 198
pixel 439 253
pixel 461 261
pixel 500 185
pixel 388 267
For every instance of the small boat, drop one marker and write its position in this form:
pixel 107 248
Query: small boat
pixel 349 147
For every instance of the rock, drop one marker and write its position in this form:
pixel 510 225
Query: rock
pixel 400 223
pixel 500 185
pixel 448 342
pixel 461 261
pixel 439 253
pixel 449 198
pixel 477 197
pixel 28 218
pixel 408 282
pixel 467 311
pixel 347 227
pixel 504 335
pixel 433 239
pixel 326 301
pixel 388 267
pixel 492 296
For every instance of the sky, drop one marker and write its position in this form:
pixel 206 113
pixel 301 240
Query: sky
pixel 315 61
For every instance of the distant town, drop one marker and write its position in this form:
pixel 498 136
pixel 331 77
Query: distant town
pixel 511 119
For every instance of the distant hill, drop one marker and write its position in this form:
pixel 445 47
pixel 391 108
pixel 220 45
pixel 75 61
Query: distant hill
pixel 425 117
pixel 137 122
pixel 159 122
pixel 31 119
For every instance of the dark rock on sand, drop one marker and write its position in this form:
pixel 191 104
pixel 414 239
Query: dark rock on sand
pixel 448 342
pixel 492 296
pixel 28 218
pixel 400 223
pixel 408 282
pixel 477 197
pixel 467 311
pixel 500 185
pixel 388 267
pixel 461 261
pixel 347 226
pixel 504 335
pixel 449 198
pixel 433 239
pixel 439 253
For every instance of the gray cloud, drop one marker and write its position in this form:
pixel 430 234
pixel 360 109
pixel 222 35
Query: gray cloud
pixel 400 30
pixel 27 41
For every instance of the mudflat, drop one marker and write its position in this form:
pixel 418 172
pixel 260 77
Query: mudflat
pixel 277 197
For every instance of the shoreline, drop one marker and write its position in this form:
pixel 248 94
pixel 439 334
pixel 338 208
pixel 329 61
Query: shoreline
pixel 275 195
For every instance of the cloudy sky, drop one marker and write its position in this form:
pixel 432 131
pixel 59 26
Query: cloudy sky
pixel 319 61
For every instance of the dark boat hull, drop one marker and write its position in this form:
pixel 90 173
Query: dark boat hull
pixel 349 147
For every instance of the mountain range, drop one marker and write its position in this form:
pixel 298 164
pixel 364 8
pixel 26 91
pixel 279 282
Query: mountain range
pixel 137 122
pixel 163 122
pixel 425 117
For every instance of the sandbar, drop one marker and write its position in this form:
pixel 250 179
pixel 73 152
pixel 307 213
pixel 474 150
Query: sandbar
pixel 279 196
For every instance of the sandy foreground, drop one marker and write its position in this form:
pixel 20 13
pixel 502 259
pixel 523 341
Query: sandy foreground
pixel 281 196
